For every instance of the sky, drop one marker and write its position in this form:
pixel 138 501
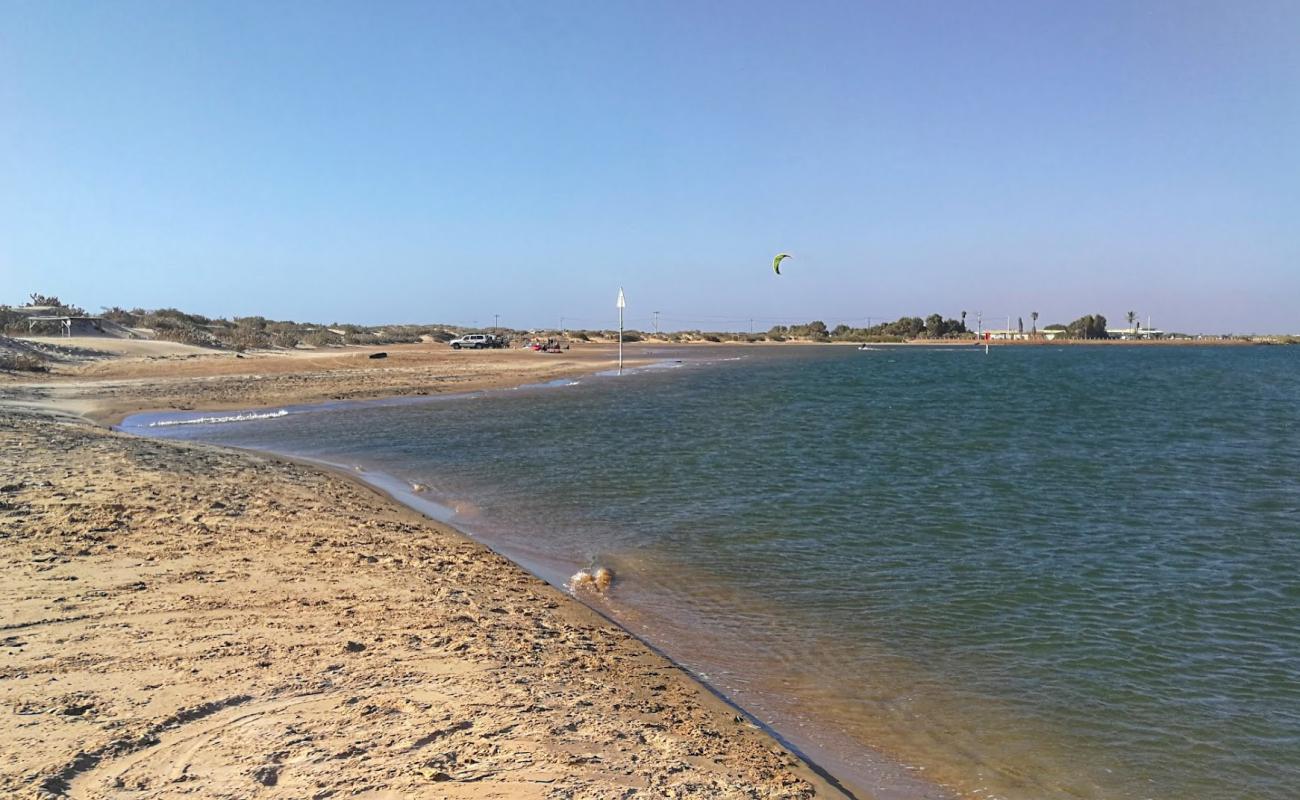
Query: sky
pixel 468 162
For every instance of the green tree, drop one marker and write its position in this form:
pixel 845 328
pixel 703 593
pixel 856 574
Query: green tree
pixel 1091 326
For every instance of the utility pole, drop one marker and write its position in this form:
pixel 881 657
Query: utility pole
pixel 656 324
pixel 751 325
pixel 561 325
pixel 496 320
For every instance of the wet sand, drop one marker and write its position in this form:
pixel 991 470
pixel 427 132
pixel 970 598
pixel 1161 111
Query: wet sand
pixel 182 619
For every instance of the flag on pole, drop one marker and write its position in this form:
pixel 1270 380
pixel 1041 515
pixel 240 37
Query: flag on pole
pixel 622 303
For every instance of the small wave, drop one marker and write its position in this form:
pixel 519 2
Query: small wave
pixel 218 420
pixel 558 383
pixel 598 580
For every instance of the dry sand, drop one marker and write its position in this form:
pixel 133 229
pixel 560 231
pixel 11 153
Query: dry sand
pixel 182 620
pixel 155 375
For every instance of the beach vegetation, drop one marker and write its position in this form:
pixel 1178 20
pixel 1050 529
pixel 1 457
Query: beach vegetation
pixel 238 333
pixel 54 303
pixel 815 331
pixel 322 337
pixel 11 361
pixel 15 321
pixel 935 326
pixel 12 322
pixel 1089 326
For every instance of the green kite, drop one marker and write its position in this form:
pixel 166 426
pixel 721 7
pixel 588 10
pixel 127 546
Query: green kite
pixel 776 262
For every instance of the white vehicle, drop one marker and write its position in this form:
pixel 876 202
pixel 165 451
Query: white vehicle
pixel 475 341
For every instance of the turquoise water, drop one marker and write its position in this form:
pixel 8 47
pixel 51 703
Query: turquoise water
pixel 1038 573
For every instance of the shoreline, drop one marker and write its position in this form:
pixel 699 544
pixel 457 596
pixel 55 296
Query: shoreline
pixel 894 777
pixel 803 778
pixel 341 471
pixel 393 490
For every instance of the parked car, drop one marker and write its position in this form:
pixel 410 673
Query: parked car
pixel 476 341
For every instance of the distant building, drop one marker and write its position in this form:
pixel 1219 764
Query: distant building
pixel 995 334
pixel 1134 333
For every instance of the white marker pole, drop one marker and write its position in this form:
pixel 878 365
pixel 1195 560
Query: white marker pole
pixel 622 303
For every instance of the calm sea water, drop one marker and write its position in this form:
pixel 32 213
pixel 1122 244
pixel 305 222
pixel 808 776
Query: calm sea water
pixel 1038 573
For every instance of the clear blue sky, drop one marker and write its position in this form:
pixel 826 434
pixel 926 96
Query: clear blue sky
pixel 379 162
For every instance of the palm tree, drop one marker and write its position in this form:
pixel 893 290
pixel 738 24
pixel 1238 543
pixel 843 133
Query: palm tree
pixel 1034 316
pixel 1131 316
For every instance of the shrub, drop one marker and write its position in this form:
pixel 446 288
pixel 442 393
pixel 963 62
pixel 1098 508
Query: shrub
pixel 172 329
pixel 21 362
pixel 321 338
pixel 248 338
pixel 12 322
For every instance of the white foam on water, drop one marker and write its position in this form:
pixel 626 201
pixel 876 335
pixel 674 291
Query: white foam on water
pixel 218 420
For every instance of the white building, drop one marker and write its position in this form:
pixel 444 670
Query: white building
pixel 996 335
pixel 1134 333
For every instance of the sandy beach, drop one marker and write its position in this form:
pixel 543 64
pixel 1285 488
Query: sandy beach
pixel 186 620
pixel 106 379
